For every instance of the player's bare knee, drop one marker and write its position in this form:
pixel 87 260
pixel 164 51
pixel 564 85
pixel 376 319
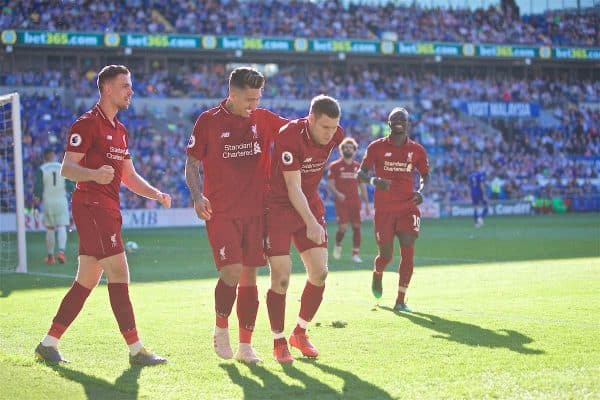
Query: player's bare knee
pixel 318 277
pixel 231 274
pixel 323 274
pixel 383 259
pixel 283 284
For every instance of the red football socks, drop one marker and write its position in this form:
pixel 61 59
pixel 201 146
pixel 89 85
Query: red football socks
pixel 406 265
pixel 356 238
pixel 123 310
pixel 68 310
pixel 310 301
pixel 247 308
pixel 405 271
pixel 224 299
pixel 276 310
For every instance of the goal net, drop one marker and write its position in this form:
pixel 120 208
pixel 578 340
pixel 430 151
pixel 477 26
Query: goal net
pixel 12 202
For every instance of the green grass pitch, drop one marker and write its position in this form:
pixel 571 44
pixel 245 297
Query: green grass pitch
pixel 511 310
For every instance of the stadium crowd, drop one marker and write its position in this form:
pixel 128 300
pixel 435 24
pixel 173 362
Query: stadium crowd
pixel 520 158
pixel 210 81
pixel 307 19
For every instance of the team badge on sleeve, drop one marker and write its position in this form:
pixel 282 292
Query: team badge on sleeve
pixel 75 139
pixel 287 158
pixel 191 142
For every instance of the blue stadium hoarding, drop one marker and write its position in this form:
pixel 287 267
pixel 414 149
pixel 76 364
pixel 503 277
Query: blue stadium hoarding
pixel 295 45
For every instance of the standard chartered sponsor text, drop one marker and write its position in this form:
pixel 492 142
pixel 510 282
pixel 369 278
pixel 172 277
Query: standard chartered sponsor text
pixel 397 166
pixel 116 153
pixel 312 167
pixel 239 150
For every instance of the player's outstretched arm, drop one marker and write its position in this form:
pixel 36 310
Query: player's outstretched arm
pixel 192 179
pixel 140 186
pixel 293 181
pixel 71 169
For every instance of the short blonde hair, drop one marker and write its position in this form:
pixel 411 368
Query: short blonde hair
pixel 346 141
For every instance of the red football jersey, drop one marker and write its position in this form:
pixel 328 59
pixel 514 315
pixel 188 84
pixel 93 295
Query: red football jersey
pixel 235 154
pixel 102 144
pixel 295 150
pixel 345 177
pixel 396 163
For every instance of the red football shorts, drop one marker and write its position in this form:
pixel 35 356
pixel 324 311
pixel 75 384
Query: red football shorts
pixel 388 225
pixel 99 230
pixel 283 226
pixel 237 241
pixel 345 214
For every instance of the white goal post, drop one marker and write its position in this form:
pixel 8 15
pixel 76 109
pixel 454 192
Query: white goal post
pixel 13 255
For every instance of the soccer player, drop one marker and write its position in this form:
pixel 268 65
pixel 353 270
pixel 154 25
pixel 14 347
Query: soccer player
pixel 296 212
pixel 233 142
pixel 98 159
pixel 51 190
pixel 395 160
pixel 343 183
pixel 476 184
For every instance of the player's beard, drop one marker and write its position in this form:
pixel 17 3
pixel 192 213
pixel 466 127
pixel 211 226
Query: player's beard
pixel 347 155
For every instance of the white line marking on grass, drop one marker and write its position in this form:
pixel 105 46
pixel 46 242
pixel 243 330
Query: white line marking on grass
pixel 437 259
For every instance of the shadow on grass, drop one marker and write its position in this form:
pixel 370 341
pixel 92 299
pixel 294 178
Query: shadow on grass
pixel 470 334
pixel 271 385
pixel 126 386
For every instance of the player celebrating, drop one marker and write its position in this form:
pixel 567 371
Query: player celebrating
pixel 476 182
pixel 51 190
pixel 295 211
pixel 394 159
pixel 344 184
pixel 233 143
pixel 98 159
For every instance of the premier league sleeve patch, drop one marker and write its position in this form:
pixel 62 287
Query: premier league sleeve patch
pixel 75 140
pixel 191 142
pixel 287 158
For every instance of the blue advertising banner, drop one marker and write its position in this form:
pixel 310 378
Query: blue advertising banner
pixel 487 109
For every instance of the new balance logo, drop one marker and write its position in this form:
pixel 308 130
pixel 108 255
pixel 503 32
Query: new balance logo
pixel 222 253
pixel 225 135
pixel 309 159
pixel 387 154
pixel 108 137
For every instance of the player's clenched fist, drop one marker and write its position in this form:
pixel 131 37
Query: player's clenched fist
pixel 203 208
pixel 315 232
pixel 164 199
pixel 381 183
pixel 104 175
